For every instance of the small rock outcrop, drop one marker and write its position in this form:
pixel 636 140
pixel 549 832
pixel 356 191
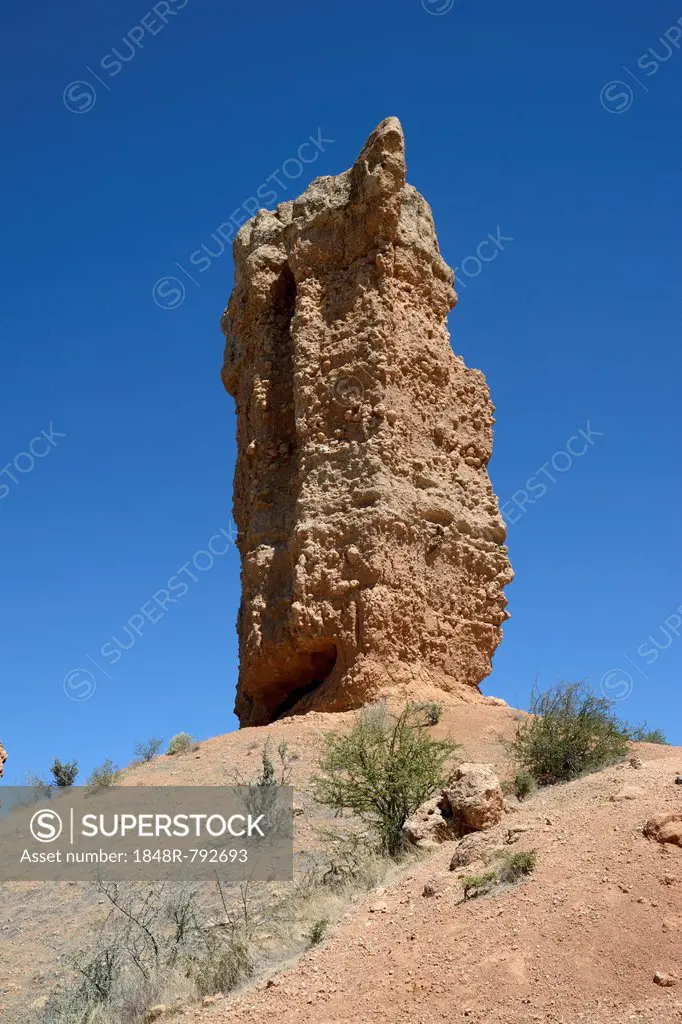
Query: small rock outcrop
pixel 372 546
pixel 472 803
pixel 665 828
pixel 430 825
pixel 477 846
pixel 475 798
pixel 664 979
pixel 3 758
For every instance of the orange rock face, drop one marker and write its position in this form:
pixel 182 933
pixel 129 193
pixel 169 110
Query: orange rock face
pixel 372 546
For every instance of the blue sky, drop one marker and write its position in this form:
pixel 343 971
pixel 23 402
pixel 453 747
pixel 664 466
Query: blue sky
pixel 553 128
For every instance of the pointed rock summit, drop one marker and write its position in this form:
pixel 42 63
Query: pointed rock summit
pixel 372 547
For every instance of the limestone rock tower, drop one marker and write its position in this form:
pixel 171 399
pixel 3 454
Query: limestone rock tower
pixel 371 543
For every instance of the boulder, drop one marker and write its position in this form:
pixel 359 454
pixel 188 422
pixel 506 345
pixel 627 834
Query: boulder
pixel 665 828
pixel 664 979
pixel 3 758
pixel 431 824
pixel 475 798
pixel 477 846
pixel 628 793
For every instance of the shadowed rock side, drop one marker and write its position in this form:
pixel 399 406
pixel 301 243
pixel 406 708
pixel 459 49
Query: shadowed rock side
pixel 372 546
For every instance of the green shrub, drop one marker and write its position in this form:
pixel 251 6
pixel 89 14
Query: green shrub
pixel 478 885
pixel 432 712
pixel 147 750
pixel 571 732
pixel 382 770
pixel 271 774
pixel 524 784
pixel 318 931
pixel 182 743
pixel 511 868
pixel 642 734
pixel 64 772
pixel 106 775
pixel 516 865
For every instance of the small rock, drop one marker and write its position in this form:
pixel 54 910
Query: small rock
pixel 635 761
pixel 628 793
pixel 664 980
pixel 678 780
pixel 665 828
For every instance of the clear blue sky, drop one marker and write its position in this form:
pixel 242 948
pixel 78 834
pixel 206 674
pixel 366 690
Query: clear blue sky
pixel 576 320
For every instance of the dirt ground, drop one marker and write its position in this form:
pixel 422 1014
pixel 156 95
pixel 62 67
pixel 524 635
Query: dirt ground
pixel 579 941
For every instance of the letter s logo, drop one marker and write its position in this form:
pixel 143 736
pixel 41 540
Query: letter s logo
pixel 79 97
pixel 168 293
pixel 46 826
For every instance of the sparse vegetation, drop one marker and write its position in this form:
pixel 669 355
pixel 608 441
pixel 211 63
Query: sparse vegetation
pixel 173 944
pixel 182 743
pixel 156 943
pixel 524 784
pixel 104 776
pixel 571 732
pixel 643 734
pixel 262 796
pixel 64 772
pixel 478 885
pixel 318 931
pixel 147 750
pixel 511 868
pixel 432 711
pixel 382 770
pixel 515 866
pixel 38 788
pixel 222 966
pixel 271 774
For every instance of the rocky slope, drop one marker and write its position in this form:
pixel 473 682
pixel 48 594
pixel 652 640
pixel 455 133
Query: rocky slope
pixel 579 941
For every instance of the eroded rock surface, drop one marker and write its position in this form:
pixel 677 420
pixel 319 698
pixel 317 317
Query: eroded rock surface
pixel 372 547
pixel 475 797
pixel 3 758
pixel 472 802
pixel 430 825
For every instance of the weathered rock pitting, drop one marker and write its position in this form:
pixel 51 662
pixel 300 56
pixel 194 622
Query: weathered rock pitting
pixel 372 546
